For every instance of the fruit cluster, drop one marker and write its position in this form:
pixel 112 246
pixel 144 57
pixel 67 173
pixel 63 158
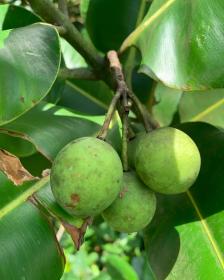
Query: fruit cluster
pixel 87 177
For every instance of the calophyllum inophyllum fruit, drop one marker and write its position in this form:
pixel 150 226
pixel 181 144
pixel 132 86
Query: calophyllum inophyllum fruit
pixel 134 208
pixel 86 176
pixel 167 160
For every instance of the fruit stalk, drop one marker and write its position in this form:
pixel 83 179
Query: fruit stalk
pixel 103 132
pixel 147 120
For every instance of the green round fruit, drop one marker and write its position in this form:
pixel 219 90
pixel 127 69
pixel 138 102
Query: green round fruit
pixel 86 177
pixel 134 208
pixel 167 160
pixel 132 146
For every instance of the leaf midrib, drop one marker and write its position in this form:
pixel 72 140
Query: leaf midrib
pixel 206 229
pixel 23 197
pixel 135 34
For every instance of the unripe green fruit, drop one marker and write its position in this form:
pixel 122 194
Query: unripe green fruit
pixel 132 147
pixel 134 208
pixel 167 160
pixel 86 176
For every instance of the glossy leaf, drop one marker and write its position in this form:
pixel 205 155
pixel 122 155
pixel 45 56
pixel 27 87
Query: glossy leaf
pixel 182 43
pixel 109 22
pixel 166 104
pixel 30 57
pixel 51 127
pixel 25 233
pixel 203 106
pixel 185 239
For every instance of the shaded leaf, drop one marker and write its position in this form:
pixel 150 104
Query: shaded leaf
pixel 185 239
pixel 13 169
pixel 30 57
pixel 89 97
pixel 17 146
pixel 36 164
pixel 15 16
pixel 106 32
pixel 181 43
pixel 203 106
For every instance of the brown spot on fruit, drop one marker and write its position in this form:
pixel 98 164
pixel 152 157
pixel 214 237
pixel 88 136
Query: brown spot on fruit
pixel 75 198
pixel 122 193
pixel 22 99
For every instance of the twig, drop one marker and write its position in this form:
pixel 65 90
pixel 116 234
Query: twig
pixel 62 5
pixel 79 73
pixel 148 121
pixel 125 137
pixel 116 69
pixel 47 10
pixel 103 132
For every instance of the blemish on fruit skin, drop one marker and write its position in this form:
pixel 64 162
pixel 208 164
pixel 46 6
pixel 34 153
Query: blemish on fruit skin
pixel 123 192
pixel 75 198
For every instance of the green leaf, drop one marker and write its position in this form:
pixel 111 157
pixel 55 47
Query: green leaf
pixel 12 197
pixel 142 86
pixel 17 146
pixel 120 269
pixel 30 57
pixel 185 239
pixel 51 127
pixel 15 16
pixel 167 101
pixel 29 249
pixel 109 22
pixel 71 57
pixel 182 43
pixel 90 97
pixel 203 106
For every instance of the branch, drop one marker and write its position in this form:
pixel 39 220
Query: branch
pixel 148 121
pixel 63 7
pixel 78 73
pixel 47 10
pixel 103 132
pixel 125 138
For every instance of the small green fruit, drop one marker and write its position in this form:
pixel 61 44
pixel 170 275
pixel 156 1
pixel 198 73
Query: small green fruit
pixel 134 208
pixel 132 147
pixel 167 160
pixel 86 176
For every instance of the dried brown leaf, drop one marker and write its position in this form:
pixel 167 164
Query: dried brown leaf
pixel 13 169
pixel 77 234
